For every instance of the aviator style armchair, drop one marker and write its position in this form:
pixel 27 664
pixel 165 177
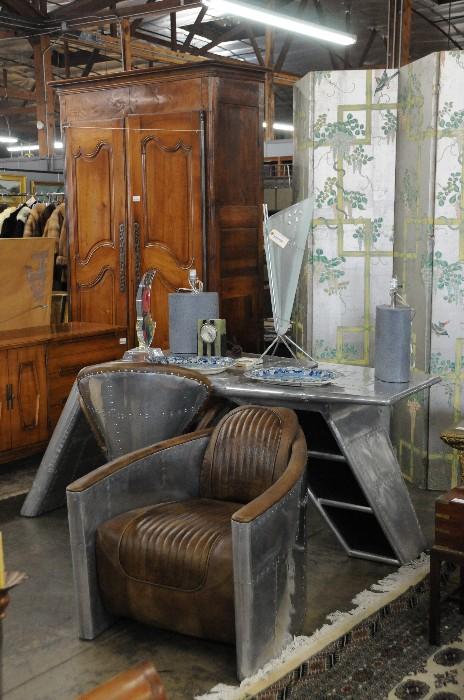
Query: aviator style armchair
pixel 202 534
pixel 113 409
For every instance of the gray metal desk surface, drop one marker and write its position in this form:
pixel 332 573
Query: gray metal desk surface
pixel 354 478
pixel 354 385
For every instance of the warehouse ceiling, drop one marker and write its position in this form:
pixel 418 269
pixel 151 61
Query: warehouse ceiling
pixel 84 39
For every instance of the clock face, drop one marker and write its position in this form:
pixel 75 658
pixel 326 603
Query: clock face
pixel 208 333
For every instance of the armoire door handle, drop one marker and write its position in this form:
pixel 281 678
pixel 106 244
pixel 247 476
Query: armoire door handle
pixel 9 397
pixel 122 257
pixel 138 253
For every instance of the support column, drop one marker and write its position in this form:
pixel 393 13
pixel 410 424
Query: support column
pixel 126 49
pixel 44 95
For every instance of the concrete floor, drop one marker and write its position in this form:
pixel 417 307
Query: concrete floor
pixel 42 659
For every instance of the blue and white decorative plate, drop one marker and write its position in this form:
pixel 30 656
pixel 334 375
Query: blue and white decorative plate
pixel 206 365
pixel 293 376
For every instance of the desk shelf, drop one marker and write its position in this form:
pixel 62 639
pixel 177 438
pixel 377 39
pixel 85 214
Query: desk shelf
pixel 339 496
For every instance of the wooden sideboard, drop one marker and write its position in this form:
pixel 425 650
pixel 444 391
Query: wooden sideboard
pixel 37 369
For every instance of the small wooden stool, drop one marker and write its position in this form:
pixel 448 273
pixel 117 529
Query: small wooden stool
pixel 449 546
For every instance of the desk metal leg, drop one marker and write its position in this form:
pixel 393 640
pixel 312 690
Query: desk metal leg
pixel 356 482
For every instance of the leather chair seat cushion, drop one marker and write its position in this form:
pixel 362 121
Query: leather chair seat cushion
pixel 170 565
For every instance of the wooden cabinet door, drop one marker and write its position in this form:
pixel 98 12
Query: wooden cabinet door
pixel 165 184
pixel 5 426
pixel 96 189
pixel 28 412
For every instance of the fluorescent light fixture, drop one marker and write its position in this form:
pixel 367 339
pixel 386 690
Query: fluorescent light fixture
pixel 8 139
pixel 58 144
pixel 278 126
pixel 12 149
pixel 274 19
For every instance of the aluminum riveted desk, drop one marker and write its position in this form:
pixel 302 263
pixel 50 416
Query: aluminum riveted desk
pixel 354 478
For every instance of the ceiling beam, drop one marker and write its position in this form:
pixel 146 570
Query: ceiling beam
pixel 90 62
pixel 232 33
pixel 9 93
pixel 21 7
pixel 80 8
pixel 194 29
pixel 173 24
pixel 439 29
pixel 98 9
pixel 254 43
pixel 289 39
pixel 13 111
pixel 367 47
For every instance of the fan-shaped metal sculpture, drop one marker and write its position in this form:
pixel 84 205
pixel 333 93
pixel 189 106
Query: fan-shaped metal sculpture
pixel 285 237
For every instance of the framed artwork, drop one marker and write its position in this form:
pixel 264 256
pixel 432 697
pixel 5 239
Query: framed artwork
pixel 38 187
pixel 10 186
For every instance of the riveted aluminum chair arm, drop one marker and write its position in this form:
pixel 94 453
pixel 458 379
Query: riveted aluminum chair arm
pixel 166 449
pixel 269 567
pixel 162 472
pixel 280 488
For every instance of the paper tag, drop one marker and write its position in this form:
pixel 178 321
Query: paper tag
pixel 31 201
pixel 279 238
pixel 136 198
pixel 457 500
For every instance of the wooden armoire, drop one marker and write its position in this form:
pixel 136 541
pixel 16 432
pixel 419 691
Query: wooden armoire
pixel 163 170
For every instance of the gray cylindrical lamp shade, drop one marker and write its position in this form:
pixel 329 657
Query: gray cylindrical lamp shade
pixel 393 343
pixel 184 311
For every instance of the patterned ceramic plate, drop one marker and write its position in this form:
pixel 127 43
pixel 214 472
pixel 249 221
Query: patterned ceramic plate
pixel 293 376
pixel 205 365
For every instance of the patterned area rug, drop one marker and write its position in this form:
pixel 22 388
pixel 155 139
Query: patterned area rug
pixel 377 651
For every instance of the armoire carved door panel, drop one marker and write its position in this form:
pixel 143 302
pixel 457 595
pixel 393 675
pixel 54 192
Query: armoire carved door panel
pixel 165 183
pixel 28 401
pixel 96 187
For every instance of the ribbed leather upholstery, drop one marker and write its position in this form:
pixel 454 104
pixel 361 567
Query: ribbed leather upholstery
pixel 171 543
pixel 248 451
pixel 182 580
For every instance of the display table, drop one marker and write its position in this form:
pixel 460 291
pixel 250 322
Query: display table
pixel 354 478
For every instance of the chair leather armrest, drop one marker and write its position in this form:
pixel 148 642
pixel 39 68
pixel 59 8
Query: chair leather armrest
pixel 125 461
pixel 280 488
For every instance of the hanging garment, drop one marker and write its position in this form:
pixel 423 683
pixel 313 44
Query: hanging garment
pixel 21 218
pixel 54 224
pixel 34 226
pixel 3 216
pixel 11 221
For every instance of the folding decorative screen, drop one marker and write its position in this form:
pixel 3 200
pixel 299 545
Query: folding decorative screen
pixel 351 129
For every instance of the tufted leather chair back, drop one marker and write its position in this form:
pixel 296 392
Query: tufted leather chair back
pixel 248 451
pixel 133 405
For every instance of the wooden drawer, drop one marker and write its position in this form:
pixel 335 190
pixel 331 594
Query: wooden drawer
pixel 66 359
pixel 449 519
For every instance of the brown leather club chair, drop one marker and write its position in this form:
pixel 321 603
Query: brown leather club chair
pixel 141 682
pixel 201 534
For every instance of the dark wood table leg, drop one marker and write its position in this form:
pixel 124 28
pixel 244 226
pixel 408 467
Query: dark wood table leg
pixel 434 613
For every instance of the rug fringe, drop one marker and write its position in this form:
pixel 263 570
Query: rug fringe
pixel 367 602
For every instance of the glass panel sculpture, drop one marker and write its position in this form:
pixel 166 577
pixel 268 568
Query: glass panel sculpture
pixel 285 237
pixel 145 325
